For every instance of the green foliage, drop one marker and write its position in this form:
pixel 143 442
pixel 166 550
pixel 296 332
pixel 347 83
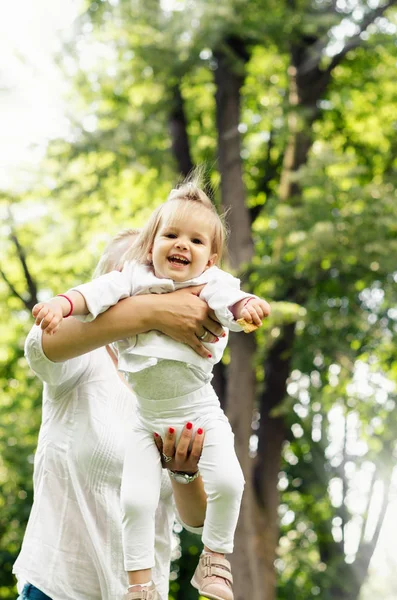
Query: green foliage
pixel 189 548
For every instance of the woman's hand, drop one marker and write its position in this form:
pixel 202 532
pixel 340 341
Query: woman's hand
pixel 191 499
pixel 186 318
pixel 186 454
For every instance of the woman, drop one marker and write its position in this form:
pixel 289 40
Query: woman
pixel 72 545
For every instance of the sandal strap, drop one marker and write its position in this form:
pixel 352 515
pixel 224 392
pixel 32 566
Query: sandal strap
pixel 141 595
pixel 219 572
pixel 214 565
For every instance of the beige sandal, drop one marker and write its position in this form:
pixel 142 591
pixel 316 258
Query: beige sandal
pixel 213 578
pixel 146 593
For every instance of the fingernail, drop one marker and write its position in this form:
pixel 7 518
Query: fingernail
pixel 156 434
pixel 210 356
pixel 216 340
pixel 189 425
pixel 199 431
pixel 171 430
pixel 223 334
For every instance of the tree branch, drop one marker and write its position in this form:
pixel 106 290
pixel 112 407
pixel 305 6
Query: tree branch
pixel 312 62
pixel 356 40
pixel 14 291
pixel 31 300
pixel 32 288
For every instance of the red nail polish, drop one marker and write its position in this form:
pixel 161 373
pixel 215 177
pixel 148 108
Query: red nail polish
pixel 217 340
pixel 156 434
pixel 223 334
pixel 210 356
pixel 171 430
pixel 189 425
pixel 199 431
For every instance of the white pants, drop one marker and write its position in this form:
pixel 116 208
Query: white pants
pixel 219 467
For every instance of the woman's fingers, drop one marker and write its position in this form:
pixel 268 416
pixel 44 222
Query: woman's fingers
pixel 188 450
pixel 193 341
pixel 197 446
pixel 211 324
pixel 169 443
pixel 182 449
pixel 159 443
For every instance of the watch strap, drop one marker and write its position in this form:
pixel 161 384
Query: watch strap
pixel 182 477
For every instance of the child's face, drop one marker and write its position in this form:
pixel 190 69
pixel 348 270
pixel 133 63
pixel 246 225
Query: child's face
pixel 182 248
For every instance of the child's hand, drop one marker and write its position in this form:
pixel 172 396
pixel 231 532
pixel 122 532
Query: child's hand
pixel 253 310
pixel 49 315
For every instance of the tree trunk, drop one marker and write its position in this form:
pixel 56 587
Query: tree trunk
pixel 241 376
pixel 179 138
pixel 271 436
pixel 228 84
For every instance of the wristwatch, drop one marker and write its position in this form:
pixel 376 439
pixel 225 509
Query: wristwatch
pixel 181 477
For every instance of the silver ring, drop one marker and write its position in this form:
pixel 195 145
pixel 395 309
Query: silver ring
pixel 202 337
pixel 166 458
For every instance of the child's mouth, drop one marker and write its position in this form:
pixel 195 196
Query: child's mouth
pixel 178 260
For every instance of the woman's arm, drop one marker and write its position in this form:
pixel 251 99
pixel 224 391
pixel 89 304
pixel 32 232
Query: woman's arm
pixel 180 315
pixel 190 498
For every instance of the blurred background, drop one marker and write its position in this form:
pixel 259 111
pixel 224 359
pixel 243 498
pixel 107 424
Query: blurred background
pixel 291 105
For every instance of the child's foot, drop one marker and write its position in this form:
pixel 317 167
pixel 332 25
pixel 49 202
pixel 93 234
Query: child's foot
pixel 213 577
pixel 142 592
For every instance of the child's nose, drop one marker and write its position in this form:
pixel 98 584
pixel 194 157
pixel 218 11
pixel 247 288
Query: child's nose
pixel 182 244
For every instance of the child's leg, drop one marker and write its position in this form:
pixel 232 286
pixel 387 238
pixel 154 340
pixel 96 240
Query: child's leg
pixel 140 491
pixel 224 484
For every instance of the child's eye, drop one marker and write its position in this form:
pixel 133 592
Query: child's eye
pixel 196 241
pixel 170 235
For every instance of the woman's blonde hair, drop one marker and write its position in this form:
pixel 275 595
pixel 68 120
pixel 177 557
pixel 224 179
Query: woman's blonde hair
pixel 113 256
pixel 181 201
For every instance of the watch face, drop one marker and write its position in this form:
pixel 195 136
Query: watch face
pixel 179 478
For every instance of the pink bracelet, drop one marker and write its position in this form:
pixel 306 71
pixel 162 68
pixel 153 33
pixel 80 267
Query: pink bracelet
pixel 248 300
pixel 71 305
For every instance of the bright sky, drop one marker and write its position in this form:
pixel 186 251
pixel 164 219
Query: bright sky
pixel 32 111
pixel 31 108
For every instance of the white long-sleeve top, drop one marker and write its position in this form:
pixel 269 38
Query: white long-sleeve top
pixel 72 548
pixel 221 291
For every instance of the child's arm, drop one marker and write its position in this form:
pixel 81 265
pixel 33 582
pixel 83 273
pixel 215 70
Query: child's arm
pixel 91 298
pixel 230 303
pixel 50 314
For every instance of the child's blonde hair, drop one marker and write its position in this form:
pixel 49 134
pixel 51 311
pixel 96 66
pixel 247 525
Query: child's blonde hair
pixel 113 256
pixel 181 201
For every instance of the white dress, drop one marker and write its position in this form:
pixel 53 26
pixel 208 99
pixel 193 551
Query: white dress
pixel 72 548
